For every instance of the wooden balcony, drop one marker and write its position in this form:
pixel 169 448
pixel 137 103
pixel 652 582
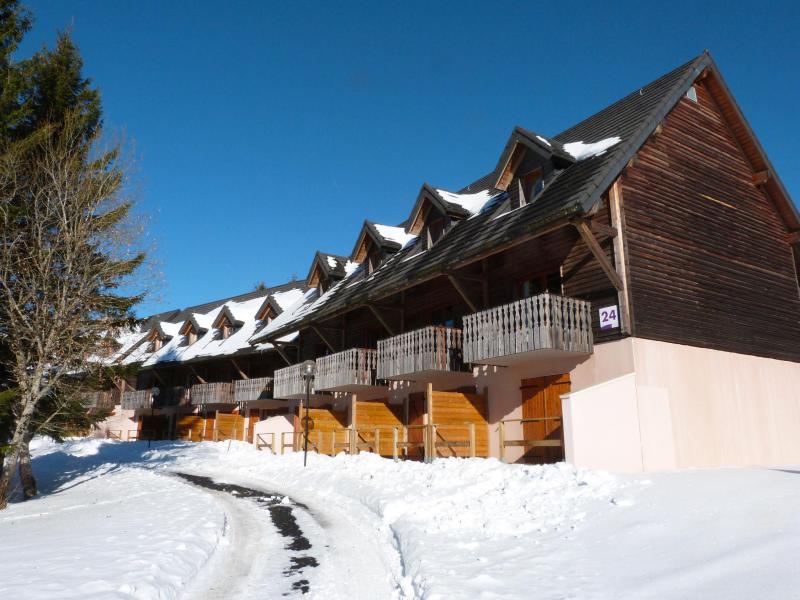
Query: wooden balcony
pixel 546 325
pixel 136 399
pixel 171 396
pixel 212 393
pixel 289 383
pixel 349 371
pixel 422 352
pixel 101 400
pixel 248 390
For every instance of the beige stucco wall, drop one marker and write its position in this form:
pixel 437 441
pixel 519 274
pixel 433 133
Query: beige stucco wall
pixel 688 407
pixel 119 421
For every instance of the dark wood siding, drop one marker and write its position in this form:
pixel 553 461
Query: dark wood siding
pixel 710 261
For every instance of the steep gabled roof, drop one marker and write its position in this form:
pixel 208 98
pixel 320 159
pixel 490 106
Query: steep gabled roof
pixel 573 191
pixel 522 139
pixel 226 314
pixel 329 265
pixel 389 238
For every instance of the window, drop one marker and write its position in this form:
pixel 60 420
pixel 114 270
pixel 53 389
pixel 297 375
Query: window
pixel 226 330
pixel 539 284
pixel 434 231
pixel 532 184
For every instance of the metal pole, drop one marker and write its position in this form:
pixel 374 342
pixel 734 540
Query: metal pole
pixel 305 442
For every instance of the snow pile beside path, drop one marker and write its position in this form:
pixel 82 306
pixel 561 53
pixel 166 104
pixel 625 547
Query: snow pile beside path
pixel 102 528
pixel 112 521
pixel 459 525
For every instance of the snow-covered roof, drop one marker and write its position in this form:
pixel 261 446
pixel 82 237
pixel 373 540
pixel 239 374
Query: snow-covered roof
pixel 287 298
pixel 472 203
pixel 288 315
pixel 582 150
pixel 398 235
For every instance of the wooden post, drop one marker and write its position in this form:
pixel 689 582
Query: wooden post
pixel 377 441
pixel 472 440
pixel 295 440
pixel 621 255
pixel 318 447
pixel 502 441
pixel 394 443
pixel 353 434
pixel 430 447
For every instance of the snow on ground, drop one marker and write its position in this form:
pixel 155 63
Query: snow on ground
pixel 113 521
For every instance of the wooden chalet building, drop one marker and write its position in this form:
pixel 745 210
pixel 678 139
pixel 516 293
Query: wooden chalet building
pixel 192 373
pixel 622 295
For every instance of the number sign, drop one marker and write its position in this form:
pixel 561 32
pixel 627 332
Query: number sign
pixel 609 318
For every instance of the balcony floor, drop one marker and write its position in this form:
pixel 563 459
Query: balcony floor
pixel 357 388
pixel 436 377
pixel 556 358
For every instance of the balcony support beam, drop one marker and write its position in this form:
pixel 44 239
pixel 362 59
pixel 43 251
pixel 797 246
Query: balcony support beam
pixel 380 318
pixel 463 293
pixel 597 251
pixel 196 374
pixel 282 353
pixel 242 374
pixel 323 338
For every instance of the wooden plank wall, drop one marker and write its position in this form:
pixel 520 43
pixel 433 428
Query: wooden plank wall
pixel 191 427
pixel 324 421
pixel 710 262
pixel 451 410
pixel 229 427
pixel 379 414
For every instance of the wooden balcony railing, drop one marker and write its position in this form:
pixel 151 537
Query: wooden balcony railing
pixel 136 399
pixel 101 400
pixel 247 390
pixel 427 349
pixel 289 382
pixel 349 369
pixel 171 396
pixel 212 393
pixel 543 322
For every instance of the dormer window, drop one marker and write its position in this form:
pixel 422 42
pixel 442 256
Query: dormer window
pixel 532 184
pixel 434 231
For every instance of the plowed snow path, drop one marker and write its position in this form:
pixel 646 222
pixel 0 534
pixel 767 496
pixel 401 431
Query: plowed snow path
pixel 304 549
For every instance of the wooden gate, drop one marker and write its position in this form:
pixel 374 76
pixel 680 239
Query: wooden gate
pixel 190 427
pixel 229 427
pixel 457 416
pixel 380 416
pixel 326 429
pixel 541 417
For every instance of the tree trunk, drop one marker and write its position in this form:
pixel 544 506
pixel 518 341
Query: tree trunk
pixel 21 432
pixel 26 470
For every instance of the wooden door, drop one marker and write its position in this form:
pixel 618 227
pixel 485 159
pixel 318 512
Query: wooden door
pixel 541 399
pixel 153 427
pixel 254 418
pixel 416 416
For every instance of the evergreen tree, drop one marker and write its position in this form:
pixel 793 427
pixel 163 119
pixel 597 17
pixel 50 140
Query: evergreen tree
pixel 48 109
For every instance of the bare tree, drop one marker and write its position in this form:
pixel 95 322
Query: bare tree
pixel 67 253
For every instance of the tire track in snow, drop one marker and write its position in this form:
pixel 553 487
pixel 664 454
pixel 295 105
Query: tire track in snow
pixel 247 567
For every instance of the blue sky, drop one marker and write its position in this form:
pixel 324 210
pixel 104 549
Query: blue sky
pixel 264 131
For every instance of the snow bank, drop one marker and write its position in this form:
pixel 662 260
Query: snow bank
pixel 582 150
pixel 111 523
pixel 103 529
